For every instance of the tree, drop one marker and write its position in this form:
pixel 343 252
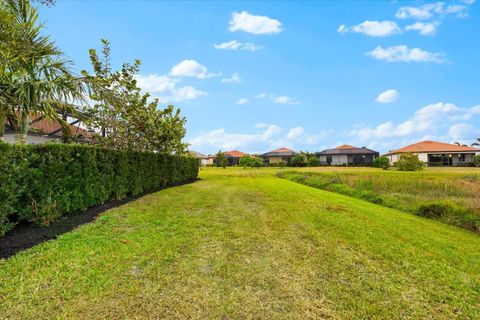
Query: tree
pixel 257 162
pixel 220 159
pixel 298 160
pixel 282 163
pixel 246 161
pixel 409 162
pixel 476 161
pixel 125 117
pixel 477 143
pixel 381 162
pixel 313 161
pixel 34 76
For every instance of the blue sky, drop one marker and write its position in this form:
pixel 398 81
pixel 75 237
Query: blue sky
pixel 255 76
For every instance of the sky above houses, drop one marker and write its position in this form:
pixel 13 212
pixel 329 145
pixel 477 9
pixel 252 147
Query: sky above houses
pixel 255 76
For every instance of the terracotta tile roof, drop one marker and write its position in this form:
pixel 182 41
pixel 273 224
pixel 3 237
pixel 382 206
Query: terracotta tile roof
pixel 46 126
pixel 434 146
pixel 346 146
pixel 234 154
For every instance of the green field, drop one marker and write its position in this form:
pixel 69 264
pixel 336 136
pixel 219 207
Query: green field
pixel 242 244
pixel 450 196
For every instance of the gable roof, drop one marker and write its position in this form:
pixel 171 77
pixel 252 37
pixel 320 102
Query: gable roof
pixel 48 126
pixel 280 152
pixel 348 149
pixel 234 154
pixel 434 146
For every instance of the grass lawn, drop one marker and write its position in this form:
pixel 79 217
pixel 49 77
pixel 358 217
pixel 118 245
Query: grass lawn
pixel 245 244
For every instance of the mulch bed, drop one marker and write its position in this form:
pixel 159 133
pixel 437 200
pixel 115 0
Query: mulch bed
pixel 25 236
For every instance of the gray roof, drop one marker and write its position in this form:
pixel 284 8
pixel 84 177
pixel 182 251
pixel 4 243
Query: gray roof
pixel 343 151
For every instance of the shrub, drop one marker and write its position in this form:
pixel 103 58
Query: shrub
pixel 40 183
pixel 298 160
pixel 409 162
pixel 257 162
pixel 246 161
pixel 313 162
pixel 381 162
pixel 476 161
pixel 282 163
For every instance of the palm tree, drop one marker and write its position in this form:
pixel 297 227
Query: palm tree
pixel 35 78
pixel 476 144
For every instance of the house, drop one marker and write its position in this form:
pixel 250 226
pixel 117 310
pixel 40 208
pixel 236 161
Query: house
pixel 278 155
pixel 347 155
pixel 43 130
pixel 197 155
pixel 232 157
pixel 437 153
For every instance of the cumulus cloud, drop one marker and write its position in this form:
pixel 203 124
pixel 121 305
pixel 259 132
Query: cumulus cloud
pixel 405 54
pixel 430 119
pixel 191 68
pixel 372 28
pixel 460 131
pixel 236 45
pixel 234 78
pixel 266 137
pixel 388 96
pixel 165 88
pixel 244 21
pixel 430 10
pixel 285 100
pixel 426 29
pixel 242 101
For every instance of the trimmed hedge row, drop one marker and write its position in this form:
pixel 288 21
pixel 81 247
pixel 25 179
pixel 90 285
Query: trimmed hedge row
pixel 40 183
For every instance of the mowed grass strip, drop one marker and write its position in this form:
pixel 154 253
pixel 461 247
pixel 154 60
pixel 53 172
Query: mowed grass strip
pixel 245 244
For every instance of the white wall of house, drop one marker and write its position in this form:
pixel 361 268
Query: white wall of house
pixel 339 159
pixel 274 159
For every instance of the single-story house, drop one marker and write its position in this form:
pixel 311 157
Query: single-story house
pixel 437 153
pixel 43 130
pixel 197 155
pixel 347 155
pixel 278 155
pixel 233 157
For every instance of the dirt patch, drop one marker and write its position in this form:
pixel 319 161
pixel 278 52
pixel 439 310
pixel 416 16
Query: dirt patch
pixel 25 235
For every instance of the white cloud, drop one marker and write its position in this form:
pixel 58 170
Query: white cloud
pixel 242 101
pixel 244 21
pixel 165 88
pixel 236 45
pixel 427 120
pixel 373 28
pixel 388 96
pixel 191 68
pixel 405 54
pixel 266 138
pixel 295 133
pixel 234 78
pixel 426 29
pixel 429 10
pixel 285 100
pixel 461 131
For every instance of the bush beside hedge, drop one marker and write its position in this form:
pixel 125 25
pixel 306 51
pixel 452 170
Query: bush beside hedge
pixel 40 183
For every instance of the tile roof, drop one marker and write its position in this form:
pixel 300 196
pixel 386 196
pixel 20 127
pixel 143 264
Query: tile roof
pixel 234 154
pixel 46 126
pixel 434 146
pixel 347 149
pixel 280 152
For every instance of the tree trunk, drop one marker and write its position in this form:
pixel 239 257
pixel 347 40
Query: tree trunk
pixel 2 124
pixel 22 137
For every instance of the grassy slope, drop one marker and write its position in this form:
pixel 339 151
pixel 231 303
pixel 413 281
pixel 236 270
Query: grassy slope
pixel 244 244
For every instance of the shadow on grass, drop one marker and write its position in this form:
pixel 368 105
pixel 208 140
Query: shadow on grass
pixel 25 235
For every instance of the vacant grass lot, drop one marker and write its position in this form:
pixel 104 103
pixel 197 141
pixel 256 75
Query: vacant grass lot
pixel 242 244
pixel 450 197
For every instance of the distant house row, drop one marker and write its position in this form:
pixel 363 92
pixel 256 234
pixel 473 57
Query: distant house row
pixel 431 152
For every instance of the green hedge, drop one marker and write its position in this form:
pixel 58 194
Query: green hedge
pixel 40 183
